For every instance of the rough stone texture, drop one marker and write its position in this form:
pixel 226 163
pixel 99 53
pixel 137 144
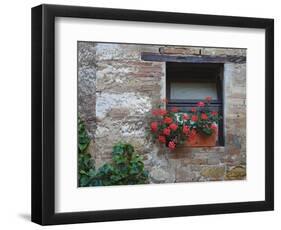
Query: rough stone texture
pixel 201 51
pixel 162 175
pixel 235 114
pixel 180 50
pixel 87 85
pixel 116 90
pixel 223 51
pixel 213 172
pixel 236 173
pixel 105 102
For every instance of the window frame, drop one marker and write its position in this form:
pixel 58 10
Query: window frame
pixel 184 104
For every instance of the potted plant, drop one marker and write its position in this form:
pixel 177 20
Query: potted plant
pixel 205 123
pixel 194 128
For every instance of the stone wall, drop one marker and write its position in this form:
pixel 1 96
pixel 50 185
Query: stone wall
pixel 116 90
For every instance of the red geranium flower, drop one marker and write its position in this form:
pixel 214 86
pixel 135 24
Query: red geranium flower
pixel 204 116
pixel 173 126
pixel 192 134
pixel 162 112
pixel 214 126
pixel 200 104
pixel 167 131
pixel 193 110
pixel 162 139
pixel 168 120
pixel 155 112
pixel 172 145
pixel 174 109
pixel 185 117
pixel 154 126
pixel 185 129
pixel 208 98
pixel 214 113
pixel 194 118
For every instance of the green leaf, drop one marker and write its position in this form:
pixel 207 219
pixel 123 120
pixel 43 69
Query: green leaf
pixel 127 167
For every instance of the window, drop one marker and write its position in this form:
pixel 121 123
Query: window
pixel 189 83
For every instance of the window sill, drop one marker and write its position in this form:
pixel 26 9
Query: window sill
pixel 187 152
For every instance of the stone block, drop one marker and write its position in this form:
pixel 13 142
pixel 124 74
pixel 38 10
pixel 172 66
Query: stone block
pixel 142 77
pixel 119 113
pixel 86 54
pixel 185 174
pixel 139 104
pixel 213 172
pixel 110 51
pixel 86 80
pixel 236 173
pixel 213 160
pixel 162 175
pixel 223 51
pixel 180 50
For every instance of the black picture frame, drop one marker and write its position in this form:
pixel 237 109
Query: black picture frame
pixel 43 114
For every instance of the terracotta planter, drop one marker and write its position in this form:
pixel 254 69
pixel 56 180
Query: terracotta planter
pixel 202 140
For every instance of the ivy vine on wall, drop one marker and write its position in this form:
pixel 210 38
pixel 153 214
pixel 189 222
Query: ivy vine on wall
pixel 126 168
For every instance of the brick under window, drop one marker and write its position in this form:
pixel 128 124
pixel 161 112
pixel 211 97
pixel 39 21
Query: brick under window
pixel 189 83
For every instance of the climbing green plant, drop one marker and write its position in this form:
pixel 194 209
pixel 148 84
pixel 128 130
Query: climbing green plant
pixel 127 166
pixel 83 137
pixel 86 168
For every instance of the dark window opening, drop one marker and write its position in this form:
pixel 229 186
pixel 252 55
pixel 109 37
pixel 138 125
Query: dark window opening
pixel 189 83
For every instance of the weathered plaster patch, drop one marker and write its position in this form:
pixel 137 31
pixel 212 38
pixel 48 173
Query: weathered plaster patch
pixel 138 104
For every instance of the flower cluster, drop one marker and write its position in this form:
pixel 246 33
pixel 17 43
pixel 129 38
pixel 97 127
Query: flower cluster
pixel 173 127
